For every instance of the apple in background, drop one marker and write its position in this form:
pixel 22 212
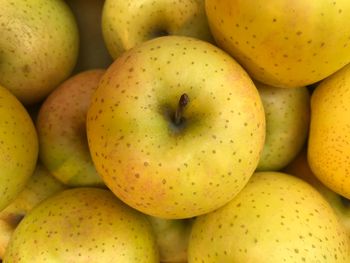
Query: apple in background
pixel 83 225
pixel 127 23
pixel 283 43
pixel 329 141
pixel 176 127
pixel 38 47
pixel 287 113
pixel 172 238
pixel 61 126
pixel 275 218
pixel 18 147
pixel 92 50
pixel 40 186
pixel 299 167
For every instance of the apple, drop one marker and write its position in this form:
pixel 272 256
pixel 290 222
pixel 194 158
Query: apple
pixel 40 186
pixel 127 23
pixel 329 142
pixel 38 47
pixel 176 127
pixel 83 225
pixel 287 113
pixel 61 126
pixel 18 147
pixel 283 43
pixel 92 49
pixel 172 238
pixel 300 168
pixel 275 218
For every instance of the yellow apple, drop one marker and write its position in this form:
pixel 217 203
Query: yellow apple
pixel 176 127
pixel 287 113
pixel 283 43
pixel 329 136
pixel 18 147
pixel 127 23
pixel 83 225
pixel 38 46
pixel 40 186
pixel 300 168
pixel 172 238
pixel 276 218
pixel 61 126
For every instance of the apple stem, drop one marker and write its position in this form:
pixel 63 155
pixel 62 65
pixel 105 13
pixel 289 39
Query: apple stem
pixel 183 101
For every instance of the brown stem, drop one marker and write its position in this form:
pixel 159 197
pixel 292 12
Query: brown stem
pixel 183 101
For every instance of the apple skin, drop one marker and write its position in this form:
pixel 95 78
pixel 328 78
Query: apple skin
pixel 283 43
pixel 168 170
pixel 300 167
pixel 61 126
pixel 18 147
pixel 287 113
pixel 328 142
pixel 83 225
pixel 275 218
pixel 92 49
pixel 40 186
pixel 127 23
pixel 172 237
pixel 38 47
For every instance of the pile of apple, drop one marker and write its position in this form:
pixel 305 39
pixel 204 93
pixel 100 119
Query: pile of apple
pixel 199 131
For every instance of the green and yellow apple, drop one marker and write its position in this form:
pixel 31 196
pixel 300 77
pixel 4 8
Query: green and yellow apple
pixel 61 126
pixel 176 127
pixel 83 225
pixel 127 23
pixel 287 113
pixel 38 46
pixel 40 186
pixel 172 237
pixel 92 49
pixel 18 147
pixel 283 43
pixel 275 218
pixel 329 141
pixel 300 168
